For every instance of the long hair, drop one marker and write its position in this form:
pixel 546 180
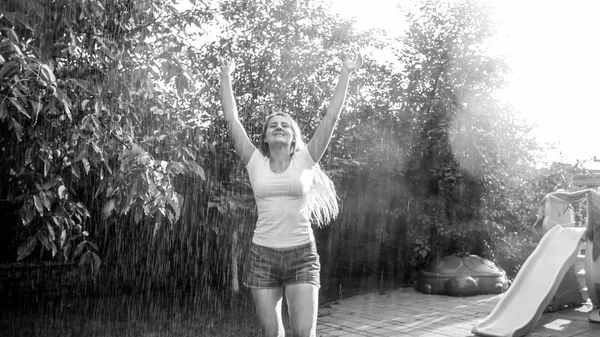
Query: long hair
pixel 323 199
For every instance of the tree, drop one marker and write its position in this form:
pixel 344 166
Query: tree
pixel 74 90
pixel 468 151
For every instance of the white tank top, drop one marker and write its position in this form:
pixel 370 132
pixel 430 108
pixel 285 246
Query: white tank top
pixel 282 200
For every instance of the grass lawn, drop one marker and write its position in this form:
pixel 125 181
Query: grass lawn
pixel 124 316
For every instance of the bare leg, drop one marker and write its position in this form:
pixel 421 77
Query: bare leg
pixel 268 309
pixel 303 306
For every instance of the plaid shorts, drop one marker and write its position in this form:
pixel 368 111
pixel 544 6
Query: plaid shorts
pixel 271 268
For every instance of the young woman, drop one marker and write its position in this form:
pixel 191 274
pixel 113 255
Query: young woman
pixel 290 191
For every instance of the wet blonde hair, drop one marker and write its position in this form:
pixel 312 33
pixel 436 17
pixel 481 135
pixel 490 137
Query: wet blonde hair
pixel 323 199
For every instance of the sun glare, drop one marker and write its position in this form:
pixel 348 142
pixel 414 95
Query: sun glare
pixel 554 81
pixel 382 14
pixel 551 48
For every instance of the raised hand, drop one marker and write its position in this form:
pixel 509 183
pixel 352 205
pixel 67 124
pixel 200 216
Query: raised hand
pixel 227 66
pixel 352 61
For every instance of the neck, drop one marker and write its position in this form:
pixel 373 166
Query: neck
pixel 279 155
pixel 279 160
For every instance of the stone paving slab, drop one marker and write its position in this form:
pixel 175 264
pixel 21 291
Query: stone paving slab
pixel 406 312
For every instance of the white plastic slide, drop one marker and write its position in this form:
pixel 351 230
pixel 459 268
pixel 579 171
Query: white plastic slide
pixel 592 281
pixel 522 305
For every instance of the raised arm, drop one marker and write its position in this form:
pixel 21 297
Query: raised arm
pixel 320 140
pixel 242 144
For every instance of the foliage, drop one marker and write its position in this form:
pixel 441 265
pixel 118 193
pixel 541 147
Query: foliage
pixel 115 146
pixel 36 156
pixel 470 155
pixel 72 117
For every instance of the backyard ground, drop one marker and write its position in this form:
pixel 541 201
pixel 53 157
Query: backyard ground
pixel 123 316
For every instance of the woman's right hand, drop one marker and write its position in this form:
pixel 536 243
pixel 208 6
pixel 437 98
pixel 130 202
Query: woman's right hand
pixel 352 61
pixel 227 66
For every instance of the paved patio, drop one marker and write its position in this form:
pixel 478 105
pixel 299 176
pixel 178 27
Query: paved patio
pixel 407 312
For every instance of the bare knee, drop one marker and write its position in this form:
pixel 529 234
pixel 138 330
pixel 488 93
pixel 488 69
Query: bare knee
pixel 303 302
pixel 268 310
pixel 304 329
pixel 270 322
pixel 272 329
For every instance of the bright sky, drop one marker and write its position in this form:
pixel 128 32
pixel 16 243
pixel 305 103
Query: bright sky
pixel 553 48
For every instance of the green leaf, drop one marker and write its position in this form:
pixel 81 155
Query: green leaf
pixel 51 234
pixel 53 248
pixel 44 240
pixel 97 148
pixel 93 245
pixel 3 112
pixel 197 169
pixel 36 107
pixel 18 129
pixel 96 262
pixel 28 155
pixel 85 258
pixel 101 187
pixel 10 33
pixel 63 237
pixel 75 171
pixel 79 249
pixel 67 251
pixel 46 200
pixel 62 192
pixel 86 165
pixel 82 209
pixel 175 203
pixel 108 208
pixel 67 109
pixel 107 167
pixel 49 184
pixel 47 74
pixel 26 247
pixel 96 121
pixel 37 201
pixel 47 167
pixel 27 212
pixel 17 105
pixel 110 191
pixel 9 68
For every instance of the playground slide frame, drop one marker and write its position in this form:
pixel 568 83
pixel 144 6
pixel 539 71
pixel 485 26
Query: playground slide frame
pixel 522 305
pixel 592 281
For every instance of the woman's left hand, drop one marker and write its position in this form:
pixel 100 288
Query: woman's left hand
pixel 352 62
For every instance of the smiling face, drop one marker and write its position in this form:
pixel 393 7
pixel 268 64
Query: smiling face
pixel 279 131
